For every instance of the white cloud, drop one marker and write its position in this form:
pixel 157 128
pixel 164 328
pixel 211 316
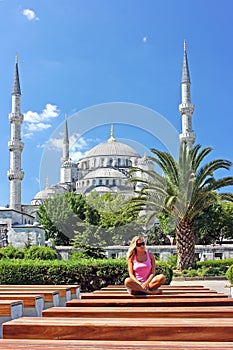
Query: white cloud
pixel 36 122
pixel 30 15
pixel 50 111
pixel 37 127
pixel 79 146
pixel 144 39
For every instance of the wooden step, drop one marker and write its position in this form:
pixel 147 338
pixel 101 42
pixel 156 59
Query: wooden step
pixel 139 312
pixel 198 329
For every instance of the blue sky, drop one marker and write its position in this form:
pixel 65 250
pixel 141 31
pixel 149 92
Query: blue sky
pixel 77 54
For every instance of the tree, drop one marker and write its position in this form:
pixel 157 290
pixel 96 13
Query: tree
pixel 183 190
pixel 117 224
pixel 214 224
pixel 64 214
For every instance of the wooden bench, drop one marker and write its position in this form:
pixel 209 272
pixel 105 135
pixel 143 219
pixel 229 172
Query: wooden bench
pixel 106 295
pixel 139 312
pixel 35 344
pixel 198 329
pixel 9 310
pixel 32 304
pixel 51 297
pixel 74 289
pixel 146 301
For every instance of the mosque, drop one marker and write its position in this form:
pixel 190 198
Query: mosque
pixel 104 169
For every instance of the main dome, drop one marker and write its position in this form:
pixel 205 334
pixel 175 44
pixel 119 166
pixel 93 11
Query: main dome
pixel 112 148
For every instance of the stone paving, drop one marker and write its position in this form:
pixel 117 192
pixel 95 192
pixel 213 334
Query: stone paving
pixel 222 286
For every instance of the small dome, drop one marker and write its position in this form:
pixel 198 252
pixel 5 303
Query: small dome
pixel 49 192
pixel 112 148
pixel 102 189
pixel 104 172
pixel 69 164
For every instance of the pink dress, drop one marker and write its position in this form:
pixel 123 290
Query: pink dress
pixel 142 269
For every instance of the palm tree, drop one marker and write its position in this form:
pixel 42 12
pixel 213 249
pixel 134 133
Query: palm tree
pixel 182 191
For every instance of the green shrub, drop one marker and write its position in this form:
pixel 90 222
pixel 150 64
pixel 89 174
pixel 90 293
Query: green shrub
pixel 190 273
pixel 229 274
pixel 11 252
pixel 41 253
pixel 90 274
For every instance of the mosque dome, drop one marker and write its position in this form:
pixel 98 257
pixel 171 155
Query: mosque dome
pixel 112 148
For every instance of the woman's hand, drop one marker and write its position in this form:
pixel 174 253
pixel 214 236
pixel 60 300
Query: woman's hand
pixel 145 285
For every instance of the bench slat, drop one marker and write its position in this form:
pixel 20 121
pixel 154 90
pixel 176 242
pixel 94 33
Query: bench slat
pixel 106 295
pixel 139 301
pixel 12 344
pixel 164 291
pixel 149 312
pixel 120 329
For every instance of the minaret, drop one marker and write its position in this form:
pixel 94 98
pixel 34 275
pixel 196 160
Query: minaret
pixel 186 108
pixel 15 145
pixel 65 149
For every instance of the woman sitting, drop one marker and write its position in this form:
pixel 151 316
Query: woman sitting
pixel 141 267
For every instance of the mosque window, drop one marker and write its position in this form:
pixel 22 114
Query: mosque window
pixel 100 181
pixel 102 161
pixel 127 162
pixel 119 161
pixel 110 162
pixel 107 182
pixel 93 182
pixel 88 182
pixel 114 182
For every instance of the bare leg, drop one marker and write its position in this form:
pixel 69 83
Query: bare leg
pixel 136 287
pixel 157 281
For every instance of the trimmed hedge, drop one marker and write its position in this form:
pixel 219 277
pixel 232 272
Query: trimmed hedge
pixel 215 263
pixel 90 274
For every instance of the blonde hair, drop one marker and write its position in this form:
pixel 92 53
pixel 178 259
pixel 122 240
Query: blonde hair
pixel 132 246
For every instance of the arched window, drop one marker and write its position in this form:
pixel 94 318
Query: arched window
pixel 119 161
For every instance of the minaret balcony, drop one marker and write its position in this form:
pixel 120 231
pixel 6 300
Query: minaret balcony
pixel 15 175
pixel 15 145
pixel 186 108
pixel 16 117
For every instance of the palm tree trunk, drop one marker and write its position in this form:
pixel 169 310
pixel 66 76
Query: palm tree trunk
pixel 185 245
